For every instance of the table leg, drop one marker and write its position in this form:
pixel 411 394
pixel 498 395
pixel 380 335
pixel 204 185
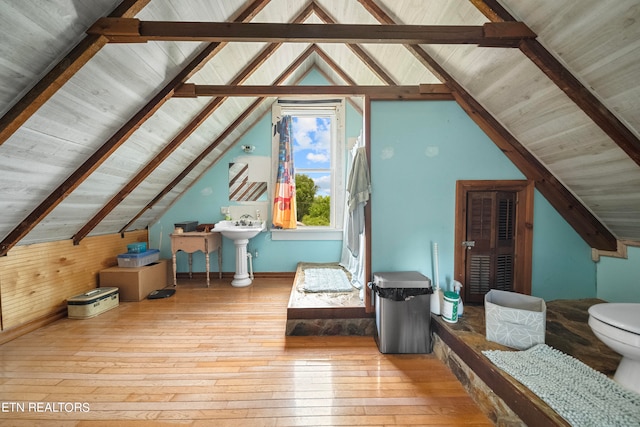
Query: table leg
pixel 206 257
pixel 220 262
pixel 190 265
pixel 175 282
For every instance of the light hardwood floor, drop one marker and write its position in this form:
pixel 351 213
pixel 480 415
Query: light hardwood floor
pixel 218 357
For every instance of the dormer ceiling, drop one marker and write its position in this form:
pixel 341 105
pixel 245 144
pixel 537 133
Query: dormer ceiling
pixel 110 110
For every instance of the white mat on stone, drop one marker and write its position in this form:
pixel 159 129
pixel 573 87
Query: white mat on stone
pixel 326 280
pixel 578 393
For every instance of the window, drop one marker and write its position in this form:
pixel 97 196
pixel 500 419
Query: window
pixel 318 157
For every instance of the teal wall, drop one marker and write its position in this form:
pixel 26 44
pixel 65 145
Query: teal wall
pixel 619 278
pixel 419 150
pixel 202 203
pixel 562 265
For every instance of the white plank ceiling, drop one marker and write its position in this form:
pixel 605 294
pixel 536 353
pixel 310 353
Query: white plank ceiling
pixel 597 42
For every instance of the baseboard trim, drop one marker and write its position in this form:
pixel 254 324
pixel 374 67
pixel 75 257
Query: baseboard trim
pixel 229 275
pixel 18 331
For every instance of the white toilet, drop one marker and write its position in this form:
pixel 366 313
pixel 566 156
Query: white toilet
pixel 618 326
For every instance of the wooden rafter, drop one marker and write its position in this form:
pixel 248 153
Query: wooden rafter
pixel 357 50
pixel 190 128
pixel 131 30
pixel 95 160
pixel 572 210
pixel 182 136
pixel 424 92
pixel 195 162
pixel 297 63
pixel 339 71
pixel 568 83
pixel 61 73
pixel 563 200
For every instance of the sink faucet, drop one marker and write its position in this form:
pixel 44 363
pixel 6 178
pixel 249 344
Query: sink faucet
pixel 243 220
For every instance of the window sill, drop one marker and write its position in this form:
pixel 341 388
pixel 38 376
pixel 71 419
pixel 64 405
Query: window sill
pixel 311 233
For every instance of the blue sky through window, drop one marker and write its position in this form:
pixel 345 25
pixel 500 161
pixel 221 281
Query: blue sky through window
pixel 312 150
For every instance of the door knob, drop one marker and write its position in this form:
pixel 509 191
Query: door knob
pixel 469 244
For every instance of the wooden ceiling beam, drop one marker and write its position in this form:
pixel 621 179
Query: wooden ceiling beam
pixel 44 89
pixel 436 91
pixel 572 210
pixel 568 83
pixel 111 145
pixel 131 30
pixel 195 162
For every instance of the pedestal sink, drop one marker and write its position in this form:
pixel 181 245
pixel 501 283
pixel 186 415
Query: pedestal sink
pixel 240 232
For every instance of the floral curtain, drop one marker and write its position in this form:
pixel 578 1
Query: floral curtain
pixel 284 203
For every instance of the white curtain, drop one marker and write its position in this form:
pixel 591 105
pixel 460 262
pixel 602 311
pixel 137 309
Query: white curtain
pixel 357 196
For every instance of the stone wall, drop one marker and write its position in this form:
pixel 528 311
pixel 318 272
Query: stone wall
pixel 492 405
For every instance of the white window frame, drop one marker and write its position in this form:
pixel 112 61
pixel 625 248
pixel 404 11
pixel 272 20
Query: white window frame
pixel 316 107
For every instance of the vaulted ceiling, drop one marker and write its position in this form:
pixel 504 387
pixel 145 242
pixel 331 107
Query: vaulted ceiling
pixel 111 109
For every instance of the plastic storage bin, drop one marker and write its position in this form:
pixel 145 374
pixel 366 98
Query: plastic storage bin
pixel 136 248
pixel 403 312
pixel 138 260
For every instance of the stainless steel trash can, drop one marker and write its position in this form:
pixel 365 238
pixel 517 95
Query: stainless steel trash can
pixel 403 312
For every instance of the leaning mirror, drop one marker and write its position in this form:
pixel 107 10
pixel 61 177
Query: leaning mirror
pixel 240 188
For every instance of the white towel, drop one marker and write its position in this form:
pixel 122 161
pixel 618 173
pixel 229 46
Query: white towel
pixel 359 188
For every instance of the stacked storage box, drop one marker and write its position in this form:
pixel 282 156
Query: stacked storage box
pixel 137 248
pixel 138 259
pixel 135 283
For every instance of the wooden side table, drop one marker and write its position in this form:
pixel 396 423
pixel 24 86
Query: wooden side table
pixel 193 241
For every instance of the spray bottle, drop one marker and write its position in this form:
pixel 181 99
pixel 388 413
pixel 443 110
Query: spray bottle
pixel 456 287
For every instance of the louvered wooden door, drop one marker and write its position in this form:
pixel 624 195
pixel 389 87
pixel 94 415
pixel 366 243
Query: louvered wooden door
pixel 490 242
pixel 493 237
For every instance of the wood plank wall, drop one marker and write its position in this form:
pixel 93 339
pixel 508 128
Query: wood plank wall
pixel 36 280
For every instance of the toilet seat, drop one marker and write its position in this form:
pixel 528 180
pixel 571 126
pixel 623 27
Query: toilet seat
pixel 614 336
pixel 624 316
pixel 617 325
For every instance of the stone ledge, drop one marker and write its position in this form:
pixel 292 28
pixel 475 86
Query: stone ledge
pixel 515 405
pixel 312 327
pixel 492 405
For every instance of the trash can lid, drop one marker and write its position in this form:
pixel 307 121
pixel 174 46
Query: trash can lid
pixel 401 279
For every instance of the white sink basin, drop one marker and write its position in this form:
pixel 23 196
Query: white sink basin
pixel 237 230
pixel 240 232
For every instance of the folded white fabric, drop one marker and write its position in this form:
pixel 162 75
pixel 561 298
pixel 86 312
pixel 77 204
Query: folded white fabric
pixel 326 280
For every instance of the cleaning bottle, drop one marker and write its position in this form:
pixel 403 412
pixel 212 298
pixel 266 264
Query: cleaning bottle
pixel 456 287
pixel 435 301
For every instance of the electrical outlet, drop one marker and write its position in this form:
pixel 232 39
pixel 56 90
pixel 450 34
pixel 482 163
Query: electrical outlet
pixel 255 255
pixel 224 210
